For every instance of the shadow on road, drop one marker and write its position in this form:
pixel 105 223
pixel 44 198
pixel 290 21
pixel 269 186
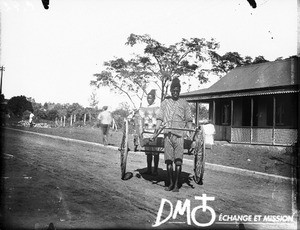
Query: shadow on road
pixel 162 177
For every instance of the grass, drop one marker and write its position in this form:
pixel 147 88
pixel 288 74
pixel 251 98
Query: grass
pixel 267 159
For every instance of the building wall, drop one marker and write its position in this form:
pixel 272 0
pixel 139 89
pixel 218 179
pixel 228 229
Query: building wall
pixel 264 129
pixel 223 133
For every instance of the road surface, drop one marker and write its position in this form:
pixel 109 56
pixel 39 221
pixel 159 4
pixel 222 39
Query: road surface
pixel 77 185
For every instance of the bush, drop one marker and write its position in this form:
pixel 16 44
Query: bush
pixel 25 115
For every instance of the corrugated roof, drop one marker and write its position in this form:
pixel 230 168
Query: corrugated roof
pixel 256 76
pixel 241 94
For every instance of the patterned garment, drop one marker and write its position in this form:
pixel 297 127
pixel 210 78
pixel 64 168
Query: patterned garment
pixel 176 113
pixel 148 114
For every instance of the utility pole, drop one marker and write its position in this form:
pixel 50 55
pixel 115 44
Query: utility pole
pixel 1 69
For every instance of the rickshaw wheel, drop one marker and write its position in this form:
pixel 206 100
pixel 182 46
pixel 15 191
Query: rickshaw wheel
pixel 199 161
pixel 124 149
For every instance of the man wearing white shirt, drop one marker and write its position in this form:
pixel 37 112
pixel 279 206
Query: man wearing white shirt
pixel 105 119
pixel 209 131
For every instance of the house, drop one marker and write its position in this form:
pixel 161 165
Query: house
pixel 254 104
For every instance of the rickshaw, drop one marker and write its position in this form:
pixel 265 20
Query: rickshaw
pixel 194 145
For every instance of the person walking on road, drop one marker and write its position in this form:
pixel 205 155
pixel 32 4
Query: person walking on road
pixel 31 115
pixel 105 119
pixel 175 113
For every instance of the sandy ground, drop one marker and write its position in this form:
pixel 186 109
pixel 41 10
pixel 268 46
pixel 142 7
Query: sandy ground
pixel 276 160
pixel 74 185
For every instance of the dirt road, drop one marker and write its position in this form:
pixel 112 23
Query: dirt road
pixel 74 185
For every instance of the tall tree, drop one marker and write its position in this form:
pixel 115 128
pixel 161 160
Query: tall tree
pixel 222 64
pixel 17 105
pixel 75 109
pixel 158 64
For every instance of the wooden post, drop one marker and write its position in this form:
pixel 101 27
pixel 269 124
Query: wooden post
pixel 274 120
pixel 84 119
pixel 1 69
pixel 231 112
pixel 74 118
pixel 197 114
pixel 64 121
pixel 251 122
pixel 61 122
pixel 214 112
pixel 71 119
pixel 231 119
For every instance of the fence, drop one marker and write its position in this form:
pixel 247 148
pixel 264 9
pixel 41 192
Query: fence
pixel 267 136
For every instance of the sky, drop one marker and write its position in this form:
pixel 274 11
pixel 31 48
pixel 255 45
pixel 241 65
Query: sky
pixel 51 55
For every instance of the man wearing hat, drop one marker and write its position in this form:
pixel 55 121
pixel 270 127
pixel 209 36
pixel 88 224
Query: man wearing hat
pixel 175 112
pixel 105 120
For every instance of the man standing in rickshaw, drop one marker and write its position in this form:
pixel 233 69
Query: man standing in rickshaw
pixel 148 114
pixel 175 112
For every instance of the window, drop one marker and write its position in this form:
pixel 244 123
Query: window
pixel 225 117
pixel 286 110
pixel 246 111
pixel 263 111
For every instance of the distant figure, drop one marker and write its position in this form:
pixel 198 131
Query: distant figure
pixel 31 115
pixel 105 120
pixel 148 114
pixel 209 131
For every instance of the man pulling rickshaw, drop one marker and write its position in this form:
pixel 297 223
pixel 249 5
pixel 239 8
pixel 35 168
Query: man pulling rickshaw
pixel 174 119
pixel 175 112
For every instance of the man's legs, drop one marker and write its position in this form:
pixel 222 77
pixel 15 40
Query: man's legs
pixel 150 156
pixel 171 186
pixel 170 183
pixel 156 160
pixel 177 178
pixel 105 132
pixel 149 163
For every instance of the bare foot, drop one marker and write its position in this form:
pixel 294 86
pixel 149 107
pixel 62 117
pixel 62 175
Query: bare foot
pixel 175 189
pixel 169 188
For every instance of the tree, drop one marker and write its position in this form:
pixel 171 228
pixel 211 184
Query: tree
pixel 158 64
pixel 93 100
pixel 52 114
pixel 203 112
pixel 259 59
pixel 120 113
pixel 18 105
pixel 222 64
pixel 37 107
pixel 62 110
pixel 75 109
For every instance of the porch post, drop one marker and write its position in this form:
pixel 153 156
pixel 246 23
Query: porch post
pixel 251 123
pixel 231 113
pixel 231 119
pixel 197 114
pixel 214 112
pixel 274 120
